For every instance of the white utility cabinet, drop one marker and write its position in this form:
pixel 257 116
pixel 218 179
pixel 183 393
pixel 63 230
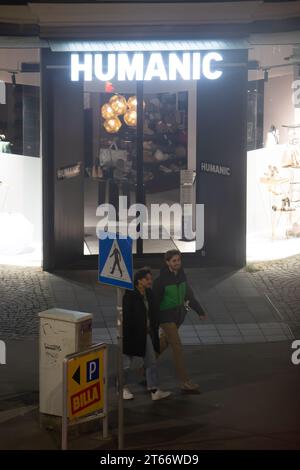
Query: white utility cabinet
pixel 61 332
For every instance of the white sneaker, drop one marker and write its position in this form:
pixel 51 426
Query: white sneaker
pixel 127 395
pixel 159 395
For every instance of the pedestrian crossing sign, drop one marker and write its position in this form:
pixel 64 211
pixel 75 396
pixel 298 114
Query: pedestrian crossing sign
pixel 115 261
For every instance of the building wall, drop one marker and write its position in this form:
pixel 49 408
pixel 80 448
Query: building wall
pixel 11 59
pixel 63 131
pixel 278 106
pixel 222 118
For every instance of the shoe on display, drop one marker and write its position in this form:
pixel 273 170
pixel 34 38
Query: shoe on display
pixel 159 395
pixel 190 387
pixel 127 395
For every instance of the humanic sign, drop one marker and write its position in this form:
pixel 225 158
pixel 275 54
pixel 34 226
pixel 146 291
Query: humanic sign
pixel 139 66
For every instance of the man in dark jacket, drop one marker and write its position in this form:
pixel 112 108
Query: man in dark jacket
pixel 173 296
pixel 140 333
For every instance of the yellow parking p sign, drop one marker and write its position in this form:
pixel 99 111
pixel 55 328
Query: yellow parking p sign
pixel 85 383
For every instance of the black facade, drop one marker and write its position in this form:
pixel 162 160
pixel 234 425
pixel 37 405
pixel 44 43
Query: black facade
pixel 222 111
pixel 221 141
pixel 62 131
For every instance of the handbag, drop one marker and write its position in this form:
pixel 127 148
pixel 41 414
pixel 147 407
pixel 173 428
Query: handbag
pixel 108 157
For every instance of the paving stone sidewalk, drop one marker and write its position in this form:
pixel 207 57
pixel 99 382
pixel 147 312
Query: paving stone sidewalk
pixel 256 304
pixel 280 279
pixel 23 293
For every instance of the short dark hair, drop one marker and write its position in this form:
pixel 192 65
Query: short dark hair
pixel 141 274
pixel 170 253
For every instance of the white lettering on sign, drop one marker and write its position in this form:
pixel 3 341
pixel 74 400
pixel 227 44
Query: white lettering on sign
pixel 122 66
pixel 208 59
pixel 130 70
pixel 156 68
pixel 180 66
pixel 86 67
pixel 111 67
pixel 218 169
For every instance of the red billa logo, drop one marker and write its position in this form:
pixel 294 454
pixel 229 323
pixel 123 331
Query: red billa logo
pixel 85 398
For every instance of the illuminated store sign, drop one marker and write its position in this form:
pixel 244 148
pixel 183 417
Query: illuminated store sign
pixel 139 66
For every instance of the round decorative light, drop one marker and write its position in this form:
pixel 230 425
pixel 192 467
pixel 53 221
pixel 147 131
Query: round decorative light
pixel 132 103
pixel 118 104
pixel 107 112
pixel 112 125
pixel 130 117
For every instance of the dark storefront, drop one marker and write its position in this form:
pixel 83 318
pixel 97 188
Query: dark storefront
pixel 220 142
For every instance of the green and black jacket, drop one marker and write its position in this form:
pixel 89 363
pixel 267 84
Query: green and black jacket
pixel 171 292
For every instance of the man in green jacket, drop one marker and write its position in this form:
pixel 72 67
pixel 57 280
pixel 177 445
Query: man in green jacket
pixel 172 295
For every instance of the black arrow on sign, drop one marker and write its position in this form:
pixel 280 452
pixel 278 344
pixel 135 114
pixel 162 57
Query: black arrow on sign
pixel 76 375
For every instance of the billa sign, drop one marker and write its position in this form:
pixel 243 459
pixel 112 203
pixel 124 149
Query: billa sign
pixel 85 384
pixel 145 66
pixel 85 399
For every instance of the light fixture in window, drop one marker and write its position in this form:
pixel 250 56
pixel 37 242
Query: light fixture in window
pixel 118 104
pixel 112 125
pixel 132 103
pixel 130 117
pixel 107 112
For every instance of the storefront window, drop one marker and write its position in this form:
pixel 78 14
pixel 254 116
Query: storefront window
pixel 111 160
pixel 110 156
pixel 20 165
pixel 185 147
pixel 169 149
pixel 273 172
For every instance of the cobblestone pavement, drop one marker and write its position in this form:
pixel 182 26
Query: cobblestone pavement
pixel 23 293
pixel 257 304
pixel 280 280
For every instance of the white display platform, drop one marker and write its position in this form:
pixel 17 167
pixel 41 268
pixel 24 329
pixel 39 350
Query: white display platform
pixel 20 210
pixel 267 240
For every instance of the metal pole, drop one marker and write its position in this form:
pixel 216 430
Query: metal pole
pixel 140 195
pixel 105 419
pixel 64 431
pixel 120 370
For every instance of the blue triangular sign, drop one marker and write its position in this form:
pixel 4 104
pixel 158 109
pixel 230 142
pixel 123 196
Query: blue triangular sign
pixel 115 261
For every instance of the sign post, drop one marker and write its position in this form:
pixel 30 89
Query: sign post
pixel 85 389
pixel 116 269
pixel 120 369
